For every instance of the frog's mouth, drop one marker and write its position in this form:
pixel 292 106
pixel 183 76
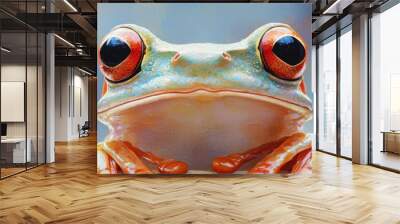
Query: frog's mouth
pixel 198 125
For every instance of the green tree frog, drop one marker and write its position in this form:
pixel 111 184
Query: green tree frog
pixel 226 108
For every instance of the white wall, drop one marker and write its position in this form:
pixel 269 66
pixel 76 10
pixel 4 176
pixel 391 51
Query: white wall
pixel 61 103
pixel 71 93
pixel 16 73
pixel 33 127
pixel 9 73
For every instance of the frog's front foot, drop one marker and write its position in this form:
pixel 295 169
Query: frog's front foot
pixel 297 146
pixel 128 159
pixel 106 164
pixel 291 153
pixel 125 159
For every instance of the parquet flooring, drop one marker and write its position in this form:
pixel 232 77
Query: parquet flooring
pixel 69 191
pixel 10 171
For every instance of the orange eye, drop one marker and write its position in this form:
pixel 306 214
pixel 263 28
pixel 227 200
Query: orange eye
pixel 283 53
pixel 120 55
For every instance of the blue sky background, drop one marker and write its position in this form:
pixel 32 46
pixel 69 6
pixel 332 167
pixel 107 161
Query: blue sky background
pixel 203 22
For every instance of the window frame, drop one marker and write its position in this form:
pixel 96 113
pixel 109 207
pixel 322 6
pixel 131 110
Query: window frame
pixel 337 34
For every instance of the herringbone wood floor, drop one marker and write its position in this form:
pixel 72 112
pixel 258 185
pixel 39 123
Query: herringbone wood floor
pixel 69 191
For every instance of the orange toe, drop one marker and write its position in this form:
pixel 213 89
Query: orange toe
pixel 173 167
pixel 227 164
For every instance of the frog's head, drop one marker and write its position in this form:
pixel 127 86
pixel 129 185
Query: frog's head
pixel 248 90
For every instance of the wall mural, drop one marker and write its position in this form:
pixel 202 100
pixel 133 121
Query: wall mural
pixel 204 107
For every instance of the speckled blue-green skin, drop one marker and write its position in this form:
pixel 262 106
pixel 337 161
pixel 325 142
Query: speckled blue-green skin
pixel 202 65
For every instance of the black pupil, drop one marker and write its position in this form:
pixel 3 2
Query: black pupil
pixel 114 51
pixel 289 49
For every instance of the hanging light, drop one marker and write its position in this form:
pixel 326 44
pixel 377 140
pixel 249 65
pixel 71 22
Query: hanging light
pixel 5 50
pixel 70 5
pixel 64 40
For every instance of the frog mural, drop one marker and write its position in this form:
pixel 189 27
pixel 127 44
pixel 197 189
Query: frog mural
pixel 202 107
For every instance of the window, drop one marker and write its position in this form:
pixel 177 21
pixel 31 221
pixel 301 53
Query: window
pixel 22 77
pixel 335 74
pixel 385 89
pixel 346 92
pixel 327 95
